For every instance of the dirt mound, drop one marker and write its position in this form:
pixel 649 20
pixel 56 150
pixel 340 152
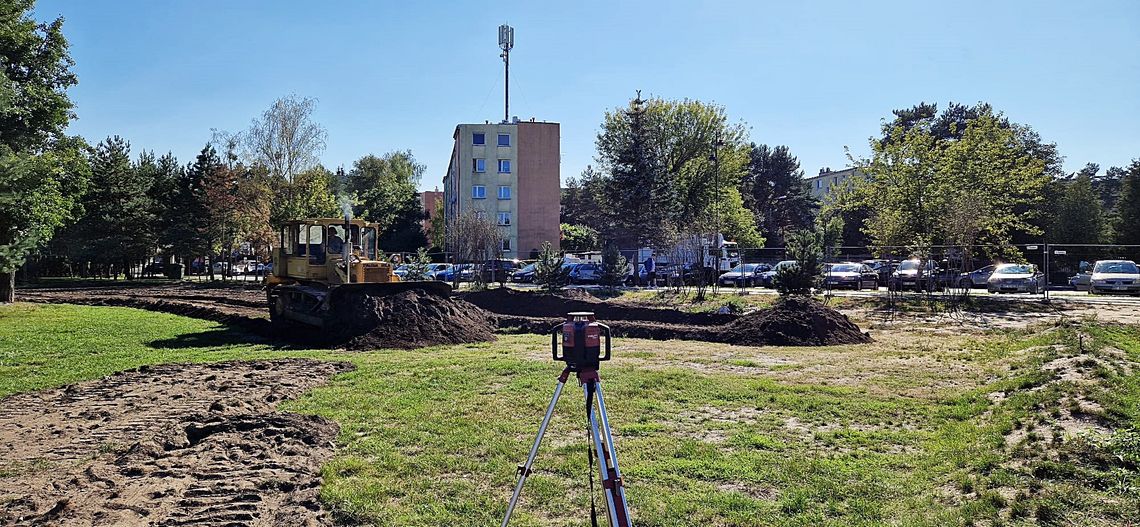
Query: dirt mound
pixel 415 319
pixel 502 301
pixel 792 321
pixel 194 444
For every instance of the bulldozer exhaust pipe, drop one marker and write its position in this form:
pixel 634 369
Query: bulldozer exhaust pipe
pixel 347 250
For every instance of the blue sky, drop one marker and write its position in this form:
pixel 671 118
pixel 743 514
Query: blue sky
pixel 814 75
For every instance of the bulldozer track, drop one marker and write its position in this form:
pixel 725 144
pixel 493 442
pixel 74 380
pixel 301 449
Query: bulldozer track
pixel 170 445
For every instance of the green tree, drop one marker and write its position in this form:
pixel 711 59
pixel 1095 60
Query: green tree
pixel 577 238
pixel 1128 207
pixel 1077 216
pixel 549 271
pixel 614 267
pixel 775 192
pixel 984 186
pixel 42 173
pixel 418 265
pixel 437 235
pixel 312 194
pixel 806 248
pixel 117 225
pixel 384 188
pixel 659 174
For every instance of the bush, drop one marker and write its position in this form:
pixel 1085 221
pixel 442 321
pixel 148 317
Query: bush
pixel 806 248
pixel 417 265
pixel 549 271
pixel 613 267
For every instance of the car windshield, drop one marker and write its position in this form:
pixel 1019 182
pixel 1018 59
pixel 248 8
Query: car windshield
pixel 1116 267
pixel 845 268
pixel 527 269
pixel 785 263
pixel 1015 269
pixel 746 268
pixel 909 265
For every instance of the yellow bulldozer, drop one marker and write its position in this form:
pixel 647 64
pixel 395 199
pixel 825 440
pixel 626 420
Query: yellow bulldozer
pixel 327 273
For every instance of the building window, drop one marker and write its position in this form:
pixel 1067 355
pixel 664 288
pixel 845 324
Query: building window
pixel 819 183
pixel 504 192
pixel 478 192
pixel 479 165
pixel 478 139
pixel 504 218
pixel 506 244
pixel 835 180
pixel 504 166
pixel 504 140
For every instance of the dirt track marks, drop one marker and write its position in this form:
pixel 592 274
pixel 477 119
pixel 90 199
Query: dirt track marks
pixel 168 445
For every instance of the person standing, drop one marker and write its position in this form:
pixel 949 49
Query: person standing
pixel 651 270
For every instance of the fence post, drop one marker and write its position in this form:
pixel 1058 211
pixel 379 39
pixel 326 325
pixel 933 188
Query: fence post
pixel 1045 245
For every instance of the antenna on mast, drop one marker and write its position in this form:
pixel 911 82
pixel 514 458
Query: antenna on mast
pixel 506 42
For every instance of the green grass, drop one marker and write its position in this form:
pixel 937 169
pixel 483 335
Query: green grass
pixel 900 432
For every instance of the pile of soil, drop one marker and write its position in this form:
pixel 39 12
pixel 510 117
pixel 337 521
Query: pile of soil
pixel 416 319
pixel 177 444
pixel 514 303
pixel 792 321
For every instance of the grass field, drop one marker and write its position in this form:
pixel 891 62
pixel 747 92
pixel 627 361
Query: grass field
pixel 1014 428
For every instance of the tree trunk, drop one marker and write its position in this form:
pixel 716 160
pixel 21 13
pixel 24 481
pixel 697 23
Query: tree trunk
pixel 7 287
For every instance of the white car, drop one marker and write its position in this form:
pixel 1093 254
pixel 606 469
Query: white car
pixel 1115 276
pixel 1015 278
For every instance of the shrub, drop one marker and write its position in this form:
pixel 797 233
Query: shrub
pixel 806 248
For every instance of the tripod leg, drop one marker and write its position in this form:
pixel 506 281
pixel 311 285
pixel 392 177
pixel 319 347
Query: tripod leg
pixel 524 470
pixel 615 485
pixel 603 461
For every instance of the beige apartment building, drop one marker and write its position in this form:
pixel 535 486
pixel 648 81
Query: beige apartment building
pixel 508 172
pixel 829 181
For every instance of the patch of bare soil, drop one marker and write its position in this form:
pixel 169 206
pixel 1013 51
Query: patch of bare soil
pixel 408 320
pixel 793 321
pixel 180 444
pixel 416 319
pixel 235 306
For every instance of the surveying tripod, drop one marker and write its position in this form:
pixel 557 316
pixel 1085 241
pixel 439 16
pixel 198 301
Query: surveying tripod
pixel 581 352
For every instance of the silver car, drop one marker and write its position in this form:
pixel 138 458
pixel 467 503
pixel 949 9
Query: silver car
pixel 1115 276
pixel 1015 278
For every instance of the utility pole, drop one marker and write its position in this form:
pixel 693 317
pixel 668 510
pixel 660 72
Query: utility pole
pixel 506 43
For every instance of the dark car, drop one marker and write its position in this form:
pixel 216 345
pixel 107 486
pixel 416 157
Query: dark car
pixel 915 275
pixel 882 268
pixel 856 276
pixel 976 278
pixel 465 272
pixel 498 270
pixel 524 274
pixel 767 278
pixel 743 275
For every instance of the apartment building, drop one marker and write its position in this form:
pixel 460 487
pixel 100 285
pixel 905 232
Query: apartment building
pixel 828 181
pixel 508 172
pixel 428 199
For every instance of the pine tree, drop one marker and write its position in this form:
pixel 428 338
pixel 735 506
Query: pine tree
pixel 118 213
pixel 1128 207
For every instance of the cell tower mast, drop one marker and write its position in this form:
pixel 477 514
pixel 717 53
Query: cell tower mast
pixel 506 42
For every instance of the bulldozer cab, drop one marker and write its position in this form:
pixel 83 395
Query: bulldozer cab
pixel 314 250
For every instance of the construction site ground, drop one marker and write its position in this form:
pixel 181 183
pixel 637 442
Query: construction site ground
pixel 188 412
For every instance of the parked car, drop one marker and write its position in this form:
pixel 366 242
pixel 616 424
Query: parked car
pixel 586 273
pixel 464 272
pixel 882 269
pixel 1016 278
pixel 401 271
pixel 767 277
pixel 976 278
pixel 743 275
pixel 854 275
pixel 914 274
pixel 498 270
pixel 1115 276
pixel 435 269
pixel 1081 280
pixel 524 274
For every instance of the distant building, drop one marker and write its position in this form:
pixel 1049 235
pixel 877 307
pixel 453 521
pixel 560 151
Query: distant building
pixel 508 172
pixel 829 181
pixel 428 199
